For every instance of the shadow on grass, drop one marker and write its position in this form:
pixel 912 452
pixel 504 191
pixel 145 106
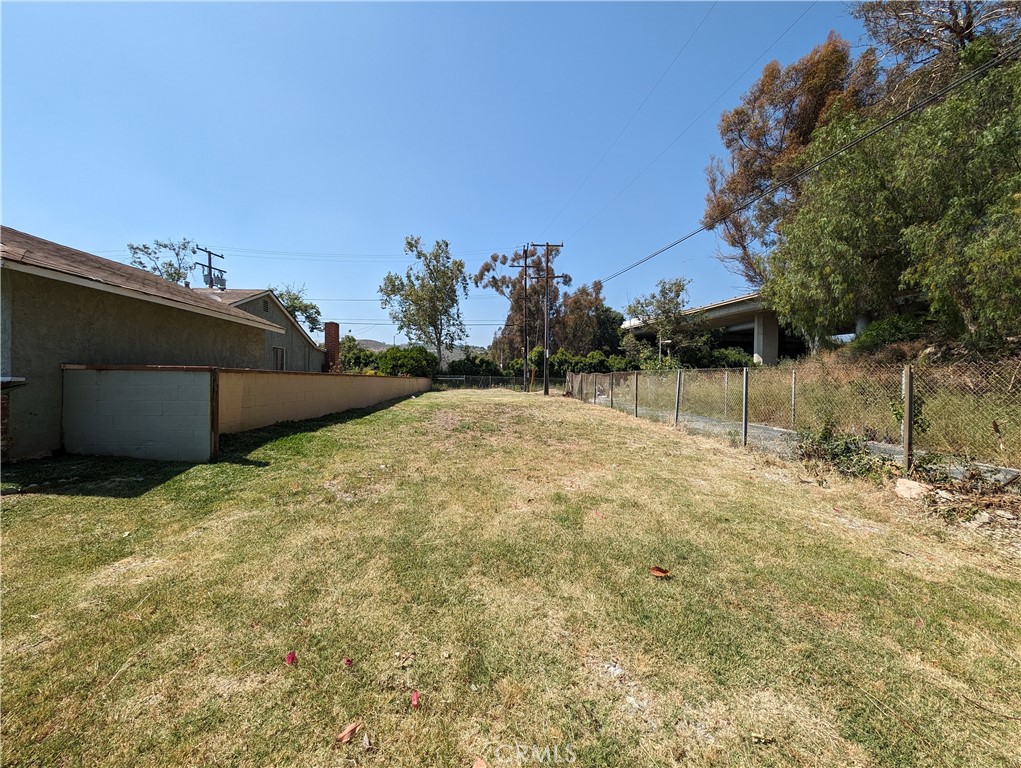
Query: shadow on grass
pixel 122 477
pixel 72 475
pixel 236 448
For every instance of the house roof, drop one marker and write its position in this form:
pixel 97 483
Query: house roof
pixel 27 253
pixel 236 296
pixel 232 296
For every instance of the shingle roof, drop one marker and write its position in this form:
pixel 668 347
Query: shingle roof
pixel 236 296
pixel 30 251
pixel 231 295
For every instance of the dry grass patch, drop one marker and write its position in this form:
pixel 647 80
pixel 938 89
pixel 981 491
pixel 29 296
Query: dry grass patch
pixel 491 551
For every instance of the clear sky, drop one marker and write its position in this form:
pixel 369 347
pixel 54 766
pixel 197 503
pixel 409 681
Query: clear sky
pixel 305 140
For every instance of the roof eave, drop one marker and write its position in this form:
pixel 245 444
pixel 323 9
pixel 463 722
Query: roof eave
pixel 65 277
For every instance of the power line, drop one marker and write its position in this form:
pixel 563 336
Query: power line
pixel 692 123
pixel 354 255
pixel 811 167
pixel 630 119
pixel 470 298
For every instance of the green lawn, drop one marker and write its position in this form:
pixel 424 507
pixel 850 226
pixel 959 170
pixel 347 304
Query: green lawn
pixel 491 550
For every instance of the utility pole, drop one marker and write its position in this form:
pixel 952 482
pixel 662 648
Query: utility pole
pixel 210 280
pixel 524 319
pixel 545 341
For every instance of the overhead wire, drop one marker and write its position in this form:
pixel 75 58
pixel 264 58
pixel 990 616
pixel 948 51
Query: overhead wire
pixel 692 123
pixel 812 166
pixel 630 119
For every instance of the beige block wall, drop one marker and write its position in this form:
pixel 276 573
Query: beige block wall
pixel 252 399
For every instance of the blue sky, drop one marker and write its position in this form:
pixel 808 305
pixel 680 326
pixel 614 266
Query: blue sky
pixel 304 141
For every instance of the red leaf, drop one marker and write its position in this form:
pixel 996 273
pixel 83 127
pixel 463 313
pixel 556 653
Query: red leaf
pixel 348 733
pixel 415 696
pixel 348 662
pixel 292 658
pixel 659 573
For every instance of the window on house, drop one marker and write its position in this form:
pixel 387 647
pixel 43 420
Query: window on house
pixel 279 359
pixel 265 306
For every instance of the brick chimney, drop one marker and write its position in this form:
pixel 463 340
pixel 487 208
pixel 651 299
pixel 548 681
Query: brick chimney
pixel 332 344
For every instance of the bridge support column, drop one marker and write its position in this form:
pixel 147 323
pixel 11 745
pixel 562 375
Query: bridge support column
pixel 766 342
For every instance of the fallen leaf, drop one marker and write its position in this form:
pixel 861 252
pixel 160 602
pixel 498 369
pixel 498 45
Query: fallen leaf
pixel 366 742
pixel 659 573
pixel 837 510
pixel 919 623
pixel 405 660
pixel 415 699
pixel 292 658
pixel 348 662
pixel 480 763
pixel 348 733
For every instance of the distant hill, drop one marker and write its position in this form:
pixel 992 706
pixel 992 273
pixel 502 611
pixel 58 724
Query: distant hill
pixel 373 345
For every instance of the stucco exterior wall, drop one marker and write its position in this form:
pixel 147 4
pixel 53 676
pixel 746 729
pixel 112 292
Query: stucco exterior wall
pixel 148 414
pixel 301 356
pixel 53 323
pixel 251 399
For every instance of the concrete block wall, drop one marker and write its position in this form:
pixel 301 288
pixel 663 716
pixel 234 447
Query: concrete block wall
pixel 252 399
pixel 151 413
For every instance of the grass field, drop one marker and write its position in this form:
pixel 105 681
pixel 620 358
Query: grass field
pixel 491 550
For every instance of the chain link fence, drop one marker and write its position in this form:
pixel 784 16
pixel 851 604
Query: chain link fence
pixel 493 382
pixel 966 413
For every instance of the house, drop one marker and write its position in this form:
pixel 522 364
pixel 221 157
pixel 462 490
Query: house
pixel 61 305
pixel 295 350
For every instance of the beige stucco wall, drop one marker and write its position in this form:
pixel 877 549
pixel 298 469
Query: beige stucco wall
pixel 51 323
pixel 301 355
pixel 252 399
pixel 148 414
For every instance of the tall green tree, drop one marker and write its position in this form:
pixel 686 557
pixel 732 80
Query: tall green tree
pixel 765 137
pixel 300 308
pixel 425 302
pixel 929 208
pixel 586 324
pixel 172 260
pixel 921 42
pixel 504 275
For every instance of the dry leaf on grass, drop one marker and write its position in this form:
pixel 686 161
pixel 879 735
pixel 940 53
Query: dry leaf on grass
pixel 415 700
pixel 291 658
pixel 659 573
pixel 480 763
pixel 349 733
pixel 348 662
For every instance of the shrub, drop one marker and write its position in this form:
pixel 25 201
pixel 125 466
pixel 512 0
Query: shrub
pixel 407 361
pixel 473 365
pixel 848 454
pixel 889 330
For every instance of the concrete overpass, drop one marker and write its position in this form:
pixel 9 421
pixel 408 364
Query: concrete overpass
pixel 746 323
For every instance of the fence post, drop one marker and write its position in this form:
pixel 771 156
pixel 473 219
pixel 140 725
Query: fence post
pixel 611 390
pixel 908 418
pixel 794 389
pixel 726 390
pixel 744 406
pixel 636 394
pixel 677 400
pixel 595 387
pixel 680 396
